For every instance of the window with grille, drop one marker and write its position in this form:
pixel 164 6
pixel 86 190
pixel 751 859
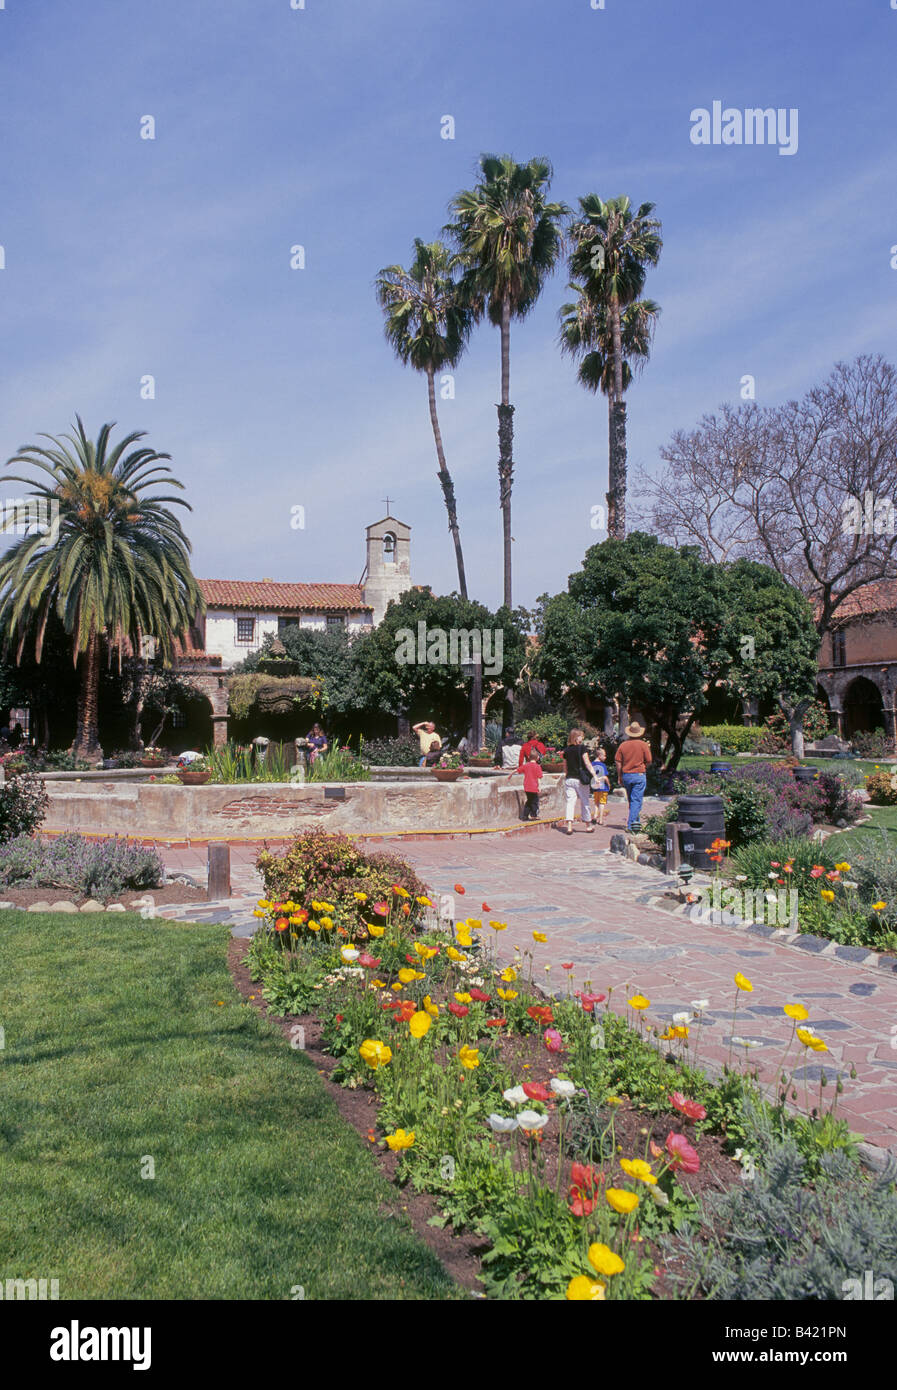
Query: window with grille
pixel 839 649
pixel 245 630
pixel 335 622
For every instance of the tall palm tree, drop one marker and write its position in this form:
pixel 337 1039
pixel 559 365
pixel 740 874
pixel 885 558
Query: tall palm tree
pixel 118 568
pixel 509 239
pixel 428 328
pixel 612 246
pixel 586 334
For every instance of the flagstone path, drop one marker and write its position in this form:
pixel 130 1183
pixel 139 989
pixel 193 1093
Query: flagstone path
pixel 600 912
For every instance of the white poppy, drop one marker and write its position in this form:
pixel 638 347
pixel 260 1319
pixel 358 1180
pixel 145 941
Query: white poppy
pixel 516 1096
pixel 349 954
pixel 500 1125
pixel 562 1088
pixel 530 1119
pixel 681 1019
pixel 699 1004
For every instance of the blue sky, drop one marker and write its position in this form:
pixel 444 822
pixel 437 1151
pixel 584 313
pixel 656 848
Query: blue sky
pixel 321 127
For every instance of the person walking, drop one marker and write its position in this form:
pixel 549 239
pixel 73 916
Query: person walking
pixel 599 763
pixel 532 776
pixel 632 759
pixel 429 740
pixel 578 781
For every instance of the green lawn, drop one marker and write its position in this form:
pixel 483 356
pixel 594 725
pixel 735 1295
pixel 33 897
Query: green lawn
pixel 880 816
pixel 116 1049
pixel 863 765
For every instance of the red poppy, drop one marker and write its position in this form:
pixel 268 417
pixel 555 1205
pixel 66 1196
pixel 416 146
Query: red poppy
pixel 339 1018
pixel 486 907
pixel 407 1010
pixel 459 889
pixel 496 1022
pixel 281 924
pixel 479 997
pixel 459 1010
pixel 368 961
pixel 381 909
pixel 682 1153
pixel 536 1091
pixel 390 1004
pixel 579 1204
pixel 541 1013
pixel 412 960
pixel 566 965
pixel 583 1175
pixel 406 909
pixel 589 1001
pixel 689 1108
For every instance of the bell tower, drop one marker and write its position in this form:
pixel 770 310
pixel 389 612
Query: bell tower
pixel 387 572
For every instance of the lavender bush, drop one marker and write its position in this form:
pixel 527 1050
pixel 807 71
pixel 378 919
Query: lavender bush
pixel 100 869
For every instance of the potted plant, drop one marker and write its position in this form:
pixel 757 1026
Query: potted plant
pixel 195 774
pixel 153 757
pixel 552 760
pixel 448 768
pixel 484 757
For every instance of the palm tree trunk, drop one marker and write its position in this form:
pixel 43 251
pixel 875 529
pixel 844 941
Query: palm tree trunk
pixel 448 489
pixel 87 743
pixel 616 489
pixel 506 445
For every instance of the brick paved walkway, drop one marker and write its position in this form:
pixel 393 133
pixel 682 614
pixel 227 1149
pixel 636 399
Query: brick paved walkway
pixel 597 912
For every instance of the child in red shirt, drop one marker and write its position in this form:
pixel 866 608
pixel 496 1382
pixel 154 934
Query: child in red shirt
pixel 532 775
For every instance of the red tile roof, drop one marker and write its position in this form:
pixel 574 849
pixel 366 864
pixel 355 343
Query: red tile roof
pixel 880 597
pixel 270 596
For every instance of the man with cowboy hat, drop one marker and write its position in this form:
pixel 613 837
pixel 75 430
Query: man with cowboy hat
pixel 633 758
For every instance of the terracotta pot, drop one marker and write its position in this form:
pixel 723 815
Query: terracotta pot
pixel 192 779
pixel 152 762
pixel 559 766
pixel 447 774
pixel 479 762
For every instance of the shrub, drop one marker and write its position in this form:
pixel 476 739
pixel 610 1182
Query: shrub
pixel 548 728
pixel 321 866
pixel 98 868
pixel 777 1239
pixel 763 800
pixel 882 788
pixel 391 752
pixel 733 738
pixel 338 765
pixel 873 745
pixel 873 867
pixel 23 805
pixel 839 800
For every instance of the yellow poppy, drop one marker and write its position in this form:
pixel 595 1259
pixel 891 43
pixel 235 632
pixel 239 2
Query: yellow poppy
pixel 796 1011
pixel 539 936
pixel 453 954
pixel 375 1053
pixel 400 1140
pixel 507 994
pixel 463 998
pixel 509 975
pixel 582 1289
pixel 431 1008
pixel 469 1057
pixel 638 1001
pixel 603 1260
pixel 743 983
pixel 622 1201
pixel 637 1168
pixel 419 1023
pixel 827 895
pixel 374 929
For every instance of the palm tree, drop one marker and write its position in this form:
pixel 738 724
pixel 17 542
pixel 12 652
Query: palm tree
pixel 509 240
pixel 118 567
pixel 428 328
pixel 612 248
pixel 586 334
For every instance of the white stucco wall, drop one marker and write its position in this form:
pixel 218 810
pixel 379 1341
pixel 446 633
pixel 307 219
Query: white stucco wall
pixel 221 630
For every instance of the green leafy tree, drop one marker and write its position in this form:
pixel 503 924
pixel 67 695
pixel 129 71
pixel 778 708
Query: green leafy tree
pixel 509 239
pixel 436 686
pixel 428 327
pixel 663 628
pixel 331 658
pixel 613 245
pixel 118 568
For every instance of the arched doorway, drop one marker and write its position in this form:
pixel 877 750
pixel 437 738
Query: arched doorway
pixel 863 707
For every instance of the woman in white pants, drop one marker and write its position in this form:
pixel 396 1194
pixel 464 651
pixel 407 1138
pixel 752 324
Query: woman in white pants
pixel 578 782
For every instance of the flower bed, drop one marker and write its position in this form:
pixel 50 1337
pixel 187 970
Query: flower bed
pixel 574 1142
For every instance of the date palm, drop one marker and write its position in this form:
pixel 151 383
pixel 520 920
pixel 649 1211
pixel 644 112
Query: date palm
pixel 586 335
pixel 114 567
pixel 428 328
pixel 612 247
pixel 509 240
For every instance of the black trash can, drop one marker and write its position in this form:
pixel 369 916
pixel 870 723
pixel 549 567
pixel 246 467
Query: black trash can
pixel 720 767
pixel 806 774
pixel 706 822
